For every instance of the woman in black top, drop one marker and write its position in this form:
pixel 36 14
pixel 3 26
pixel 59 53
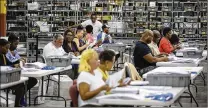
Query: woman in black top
pixel 69 45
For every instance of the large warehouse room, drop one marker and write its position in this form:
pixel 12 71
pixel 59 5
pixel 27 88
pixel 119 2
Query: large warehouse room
pixel 103 53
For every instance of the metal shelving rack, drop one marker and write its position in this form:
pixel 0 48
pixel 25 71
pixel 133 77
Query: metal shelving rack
pixel 127 18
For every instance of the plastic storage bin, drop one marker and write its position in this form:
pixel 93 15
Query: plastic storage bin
pixel 21 18
pixel 193 54
pixel 178 19
pixel 173 79
pixel 140 8
pixel 165 8
pixel 192 19
pixel 166 19
pixel 190 31
pixel 61 61
pixel 189 8
pixel 152 8
pixel 116 47
pixel 45 18
pixel 141 19
pixel 204 19
pixel 128 8
pixel 10 75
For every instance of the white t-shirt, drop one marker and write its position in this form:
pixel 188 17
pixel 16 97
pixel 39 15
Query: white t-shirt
pixel 103 37
pixel 154 48
pixel 51 50
pixel 97 26
pixel 95 82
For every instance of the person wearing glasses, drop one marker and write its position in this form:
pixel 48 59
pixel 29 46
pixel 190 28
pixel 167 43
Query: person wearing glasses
pixel 54 48
pixel 165 44
pixel 97 25
pixel 69 45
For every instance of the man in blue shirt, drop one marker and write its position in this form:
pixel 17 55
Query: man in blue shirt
pixel 104 36
pixel 13 58
pixel 12 54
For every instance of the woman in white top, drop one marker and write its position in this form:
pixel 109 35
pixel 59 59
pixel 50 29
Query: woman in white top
pixel 89 85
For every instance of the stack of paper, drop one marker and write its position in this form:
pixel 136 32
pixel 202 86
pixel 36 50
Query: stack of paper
pixel 120 96
pixel 113 80
pixel 125 90
pixel 139 83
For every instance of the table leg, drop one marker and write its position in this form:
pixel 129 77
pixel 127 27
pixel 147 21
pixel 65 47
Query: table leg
pixel 203 78
pixel 192 97
pixel 26 93
pixel 29 98
pixel 41 91
pixel 7 97
pixel 59 82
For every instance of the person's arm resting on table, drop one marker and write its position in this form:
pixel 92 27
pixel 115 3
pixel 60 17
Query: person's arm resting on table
pixel 152 59
pixel 85 93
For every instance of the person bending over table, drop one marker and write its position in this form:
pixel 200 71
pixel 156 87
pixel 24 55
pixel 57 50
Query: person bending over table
pixel 153 45
pixel 165 45
pixel 89 85
pixel 54 48
pixel 142 53
pixel 69 45
pixel 174 40
pixel 78 39
pixel 4 61
pixel 107 59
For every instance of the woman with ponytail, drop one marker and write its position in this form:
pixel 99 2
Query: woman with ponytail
pixel 89 85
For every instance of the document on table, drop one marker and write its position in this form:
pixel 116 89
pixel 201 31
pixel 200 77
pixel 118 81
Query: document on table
pixel 125 90
pixel 139 83
pixel 124 96
pixel 113 80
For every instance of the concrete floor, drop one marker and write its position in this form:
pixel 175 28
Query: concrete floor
pixel 201 95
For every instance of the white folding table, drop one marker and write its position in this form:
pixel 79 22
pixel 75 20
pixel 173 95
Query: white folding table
pixel 177 64
pixel 8 85
pixel 195 71
pixel 42 73
pixel 177 92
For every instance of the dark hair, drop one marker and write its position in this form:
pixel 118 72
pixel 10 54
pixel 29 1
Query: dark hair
pixel 174 39
pixel 79 28
pixel 67 31
pixel 93 14
pixel 12 37
pixel 106 55
pixel 89 28
pixel 166 30
pixel 3 42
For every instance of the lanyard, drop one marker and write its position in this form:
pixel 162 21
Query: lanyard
pixel 104 74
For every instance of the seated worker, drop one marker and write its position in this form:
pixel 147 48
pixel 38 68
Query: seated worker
pixel 78 39
pixel 19 89
pixel 142 53
pixel 69 45
pixel 107 59
pixel 54 48
pixel 89 36
pixel 153 45
pixel 12 54
pixel 104 36
pixel 89 85
pixel 165 45
pixel 174 40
